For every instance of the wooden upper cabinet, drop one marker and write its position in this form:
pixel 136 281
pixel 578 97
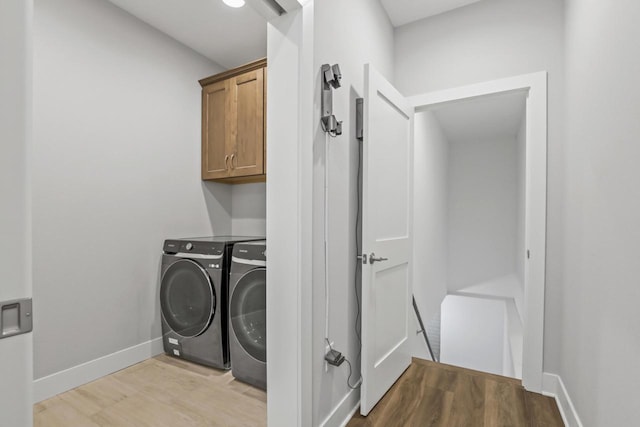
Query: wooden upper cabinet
pixel 215 127
pixel 233 124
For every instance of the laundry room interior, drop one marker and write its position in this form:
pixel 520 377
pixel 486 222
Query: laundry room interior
pixel 116 172
pixel 446 234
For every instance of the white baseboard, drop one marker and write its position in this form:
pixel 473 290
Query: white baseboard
pixel 343 412
pixel 350 414
pixel 553 386
pixel 51 385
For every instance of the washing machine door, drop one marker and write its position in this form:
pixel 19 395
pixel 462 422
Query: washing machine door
pixel 187 298
pixel 248 311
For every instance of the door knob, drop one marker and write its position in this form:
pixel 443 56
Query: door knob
pixel 373 258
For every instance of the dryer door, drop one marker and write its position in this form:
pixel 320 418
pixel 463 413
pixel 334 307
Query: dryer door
pixel 248 311
pixel 187 298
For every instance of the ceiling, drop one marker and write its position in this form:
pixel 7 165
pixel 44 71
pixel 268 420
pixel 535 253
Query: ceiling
pixel 232 37
pixel 481 118
pixel 228 36
pixel 405 11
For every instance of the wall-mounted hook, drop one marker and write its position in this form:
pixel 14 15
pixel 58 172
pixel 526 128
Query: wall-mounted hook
pixel 331 76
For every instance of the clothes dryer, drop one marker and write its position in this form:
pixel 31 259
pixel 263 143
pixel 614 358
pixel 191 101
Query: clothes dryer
pixel 248 313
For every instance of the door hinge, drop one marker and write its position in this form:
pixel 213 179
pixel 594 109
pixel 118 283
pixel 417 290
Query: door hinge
pixel 359 119
pixel 528 254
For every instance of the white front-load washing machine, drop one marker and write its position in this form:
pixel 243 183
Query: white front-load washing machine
pixel 193 298
pixel 248 313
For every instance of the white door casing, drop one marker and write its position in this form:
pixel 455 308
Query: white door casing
pixel 535 85
pixel 16 352
pixel 387 186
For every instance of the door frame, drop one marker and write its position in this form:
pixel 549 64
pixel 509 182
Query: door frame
pixel 16 352
pixel 535 85
pixel 290 131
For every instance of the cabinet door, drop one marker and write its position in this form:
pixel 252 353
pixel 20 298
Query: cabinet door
pixel 247 123
pixel 216 131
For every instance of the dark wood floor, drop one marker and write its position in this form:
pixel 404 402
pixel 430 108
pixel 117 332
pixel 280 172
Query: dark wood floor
pixel 434 394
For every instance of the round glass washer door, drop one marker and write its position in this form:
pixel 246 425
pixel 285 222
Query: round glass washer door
pixel 187 298
pixel 248 311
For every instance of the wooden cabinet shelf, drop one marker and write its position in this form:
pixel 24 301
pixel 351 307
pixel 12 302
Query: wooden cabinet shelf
pixel 233 124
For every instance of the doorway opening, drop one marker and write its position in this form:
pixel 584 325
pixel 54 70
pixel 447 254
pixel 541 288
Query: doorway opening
pixel 479 225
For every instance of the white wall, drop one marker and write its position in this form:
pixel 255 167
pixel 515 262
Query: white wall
pixel 483 41
pixel 599 326
pixel 249 209
pixel 351 34
pixel 481 211
pixel 16 367
pixel 508 366
pixel 489 40
pixel 116 170
pixel 430 243
pixel 289 150
pixel 473 333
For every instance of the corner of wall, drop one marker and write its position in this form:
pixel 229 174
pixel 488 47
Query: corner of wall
pixel 342 413
pixel 59 382
pixel 249 209
pixel 553 386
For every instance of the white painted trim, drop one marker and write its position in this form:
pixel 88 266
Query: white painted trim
pixel 553 386
pixel 350 415
pixel 16 112
pixel 535 84
pixel 535 232
pixel 510 84
pixel 307 119
pixel 290 125
pixel 342 413
pixel 51 385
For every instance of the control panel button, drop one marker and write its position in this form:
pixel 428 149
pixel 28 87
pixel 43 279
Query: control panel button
pixel 189 246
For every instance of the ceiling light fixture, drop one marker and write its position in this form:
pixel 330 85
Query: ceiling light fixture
pixel 234 3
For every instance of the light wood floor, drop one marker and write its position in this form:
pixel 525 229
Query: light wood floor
pixel 163 391
pixel 432 394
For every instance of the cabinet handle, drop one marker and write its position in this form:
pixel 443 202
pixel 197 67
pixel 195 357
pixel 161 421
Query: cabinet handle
pixel 226 158
pixel 232 156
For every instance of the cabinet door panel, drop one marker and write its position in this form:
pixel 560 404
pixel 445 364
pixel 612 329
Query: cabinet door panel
pixel 215 130
pixel 247 127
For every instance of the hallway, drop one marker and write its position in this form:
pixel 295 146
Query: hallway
pixel 432 394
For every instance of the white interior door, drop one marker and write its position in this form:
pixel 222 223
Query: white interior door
pixel 16 372
pixel 386 237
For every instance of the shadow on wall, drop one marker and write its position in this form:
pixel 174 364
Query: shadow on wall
pixel 217 198
pixel 156 326
pixel 249 209
pixel 236 209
